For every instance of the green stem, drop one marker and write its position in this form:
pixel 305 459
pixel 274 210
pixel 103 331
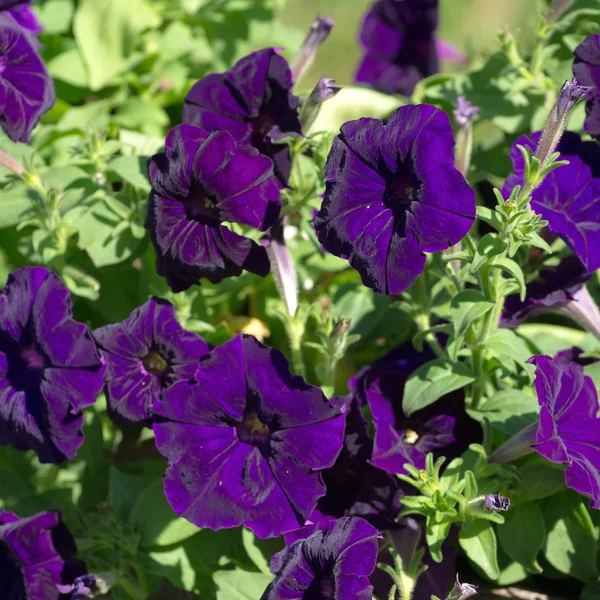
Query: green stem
pixel 296 334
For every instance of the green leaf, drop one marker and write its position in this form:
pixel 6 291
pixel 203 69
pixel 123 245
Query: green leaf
pixel 131 169
pixel 466 307
pixel 510 266
pixel 489 245
pixel 15 202
pixel 572 541
pixel 240 585
pixel 68 67
pixel 490 216
pixel 123 492
pixel 432 381
pixel 254 552
pixel 539 480
pixel 479 544
pixel 174 565
pixel 523 535
pixel 55 15
pixel 507 345
pixel 435 534
pixel 106 32
pixel 154 518
pixel 508 411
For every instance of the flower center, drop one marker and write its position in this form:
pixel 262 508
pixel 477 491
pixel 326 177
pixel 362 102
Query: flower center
pixel 398 190
pixel 261 126
pixel 25 363
pixel 321 588
pixel 154 363
pixel 411 437
pixel 199 206
pixel 252 430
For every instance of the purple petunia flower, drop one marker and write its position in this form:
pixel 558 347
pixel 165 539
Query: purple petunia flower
pixel 23 14
pixel 568 429
pixel 50 368
pixel 26 88
pixel 442 428
pixel 354 486
pixel 586 69
pixel 144 354
pixel 567 198
pixel 35 557
pixel 329 565
pixel 200 181
pixel 398 37
pixel 253 102
pixel 246 441
pixel 392 194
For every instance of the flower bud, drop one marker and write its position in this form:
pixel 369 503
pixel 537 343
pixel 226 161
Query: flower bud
pixel 496 502
pixel 317 34
pixel 324 90
pixel 461 591
pixel 570 94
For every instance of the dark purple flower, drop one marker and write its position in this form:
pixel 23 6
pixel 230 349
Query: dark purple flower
pixel 496 502
pixel 586 68
pixel 35 557
pixel 84 586
pixel 246 441
pixel 200 181
pixel 23 14
pixel 354 486
pixel 568 429
pixel 26 88
pixel 253 102
pixel 144 354
pixel 551 289
pixel 50 368
pixel 392 194
pixel 567 199
pixel 329 565
pixel 442 428
pixel 398 37
pixel 462 591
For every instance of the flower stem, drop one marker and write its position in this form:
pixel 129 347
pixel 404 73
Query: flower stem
pixel 517 446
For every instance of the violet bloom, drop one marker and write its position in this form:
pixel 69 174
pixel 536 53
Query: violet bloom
pixel 201 180
pixel 253 102
pixel 567 198
pixel 23 14
pixel 246 441
pixel 568 429
pixel 329 565
pixel 144 354
pixel 496 502
pixel 586 70
pixel 35 557
pixel 26 88
pixel 392 194
pixel 442 428
pixel 354 486
pixel 398 37
pixel 50 368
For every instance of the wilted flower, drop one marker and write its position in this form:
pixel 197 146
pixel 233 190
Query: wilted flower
pixel 392 194
pixel 561 289
pixel 496 502
pixel 253 102
pixel 586 69
pixel 400 47
pixel 568 429
pixel 566 198
pixel 200 181
pixel 26 88
pixel 323 91
pixel 35 557
pixel 50 368
pixel 318 32
pixel 144 354
pixel 246 441
pixel 329 565
pixel 442 428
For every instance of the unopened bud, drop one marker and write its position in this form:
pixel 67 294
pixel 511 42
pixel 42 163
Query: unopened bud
pixel 324 90
pixel 462 591
pixel 496 502
pixel 464 112
pixel 570 94
pixel 340 329
pixel 317 34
